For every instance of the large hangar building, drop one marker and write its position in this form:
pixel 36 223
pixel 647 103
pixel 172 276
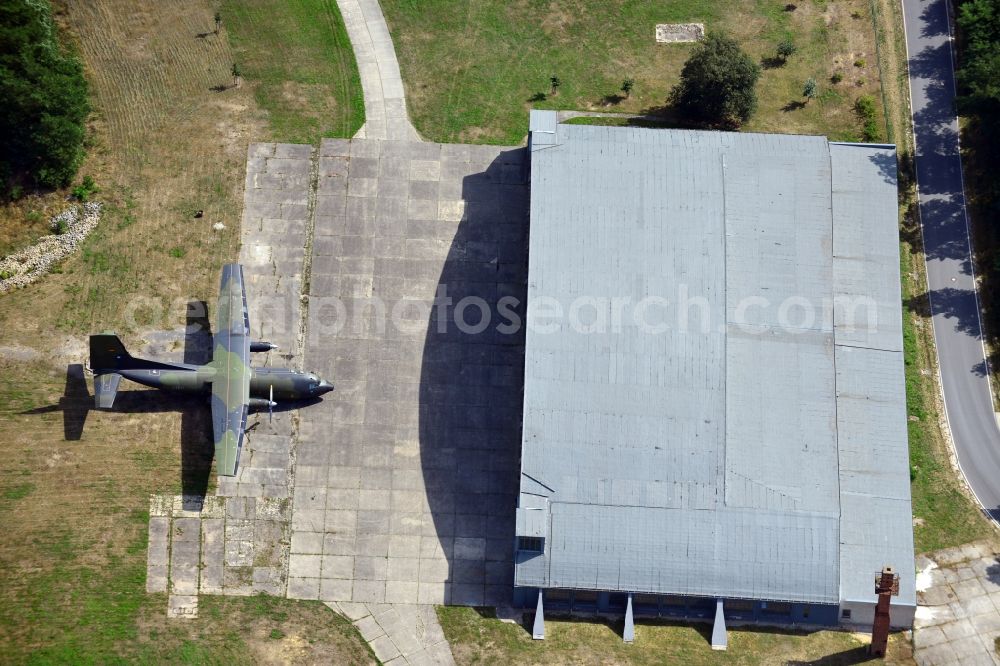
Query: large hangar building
pixel 714 408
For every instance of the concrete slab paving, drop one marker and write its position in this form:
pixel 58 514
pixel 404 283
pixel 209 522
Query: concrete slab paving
pixel 385 98
pixel 400 633
pixel 957 621
pixel 416 452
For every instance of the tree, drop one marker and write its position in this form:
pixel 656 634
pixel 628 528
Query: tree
pixel 979 77
pixel 218 22
pixel 555 82
pixel 809 89
pixel 718 83
pixel 627 86
pixel 44 100
pixel 236 75
pixel 786 49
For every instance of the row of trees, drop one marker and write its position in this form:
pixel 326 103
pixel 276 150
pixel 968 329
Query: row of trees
pixel 978 23
pixel 979 73
pixel 44 98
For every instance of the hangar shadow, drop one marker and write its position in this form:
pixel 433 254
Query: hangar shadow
pixel 471 385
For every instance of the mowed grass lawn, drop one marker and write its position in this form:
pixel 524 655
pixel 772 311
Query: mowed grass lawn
pixel 169 136
pixel 481 639
pixel 298 58
pixel 471 66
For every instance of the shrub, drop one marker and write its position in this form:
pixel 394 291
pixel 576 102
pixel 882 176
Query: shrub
pixel 45 99
pixel 62 226
pixel 786 49
pixel 718 83
pixel 865 107
pixel 85 189
pixel 33 216
pixel 836 78
pixel 177 252
pixel 860 63
pixel 627 86
pixel 809 89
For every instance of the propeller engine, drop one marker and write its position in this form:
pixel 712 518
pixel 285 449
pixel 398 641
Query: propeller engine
pixel 261 403
pixel 262 346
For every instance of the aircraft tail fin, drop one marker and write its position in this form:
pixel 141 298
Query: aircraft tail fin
pixel 107 354
pixel 105 389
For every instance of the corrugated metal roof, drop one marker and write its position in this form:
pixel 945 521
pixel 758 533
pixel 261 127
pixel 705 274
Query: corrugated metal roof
pixel 696 451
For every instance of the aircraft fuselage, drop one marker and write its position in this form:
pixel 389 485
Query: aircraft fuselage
pixel 265 383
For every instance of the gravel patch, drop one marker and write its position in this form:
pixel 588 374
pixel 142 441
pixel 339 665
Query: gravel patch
pixel 674 33
pixel 24 267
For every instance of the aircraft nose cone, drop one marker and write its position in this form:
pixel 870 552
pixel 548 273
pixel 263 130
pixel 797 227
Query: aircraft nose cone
pixel 324 387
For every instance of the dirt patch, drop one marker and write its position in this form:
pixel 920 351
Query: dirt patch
pixel 473 134
pixel 18 353
pixel 557 20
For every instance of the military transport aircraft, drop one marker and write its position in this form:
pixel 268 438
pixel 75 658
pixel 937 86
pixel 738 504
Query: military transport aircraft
pixel 234 385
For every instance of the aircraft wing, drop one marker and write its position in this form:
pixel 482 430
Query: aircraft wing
pixel 231 361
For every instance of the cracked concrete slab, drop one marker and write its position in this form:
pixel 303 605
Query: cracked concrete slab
pixel 958 617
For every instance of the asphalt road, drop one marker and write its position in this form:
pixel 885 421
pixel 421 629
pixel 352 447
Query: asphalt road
pixel 953 297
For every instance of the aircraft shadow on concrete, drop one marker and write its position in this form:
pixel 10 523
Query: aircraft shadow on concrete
pixel 196 445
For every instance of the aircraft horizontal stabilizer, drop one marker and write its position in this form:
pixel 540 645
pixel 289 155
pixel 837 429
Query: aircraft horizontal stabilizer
pixel 105 389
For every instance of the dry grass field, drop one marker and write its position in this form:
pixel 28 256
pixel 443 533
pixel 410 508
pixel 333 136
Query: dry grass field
pixel 168 137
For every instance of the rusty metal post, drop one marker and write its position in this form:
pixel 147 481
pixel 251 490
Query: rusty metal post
pixel 886 586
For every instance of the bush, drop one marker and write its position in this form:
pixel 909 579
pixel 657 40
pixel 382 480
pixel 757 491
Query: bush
pixel 860 63
pixel 84 190
pixel 62 226
pixel 177 252
pixel 837 77
pixel 718 83
pixel 809 88
pixel 865 107
pixel 45 99
pixel 786 49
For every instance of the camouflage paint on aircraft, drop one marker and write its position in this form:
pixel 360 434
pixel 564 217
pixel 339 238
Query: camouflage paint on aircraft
pixel 231 360
pixel 235 386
